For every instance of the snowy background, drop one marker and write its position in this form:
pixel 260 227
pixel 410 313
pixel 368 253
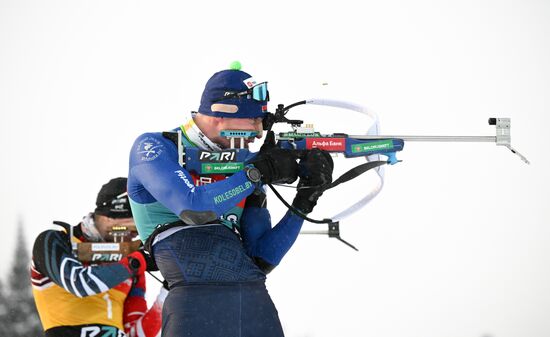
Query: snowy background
pixel 457 243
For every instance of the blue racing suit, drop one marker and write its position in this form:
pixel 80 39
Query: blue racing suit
pixel 217 247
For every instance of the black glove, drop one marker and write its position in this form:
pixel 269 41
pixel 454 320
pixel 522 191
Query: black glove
pixel 276 165
pixel 315 174
pixel 151 264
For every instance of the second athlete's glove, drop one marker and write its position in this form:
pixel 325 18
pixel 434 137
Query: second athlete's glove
pixel 135 262
pixel 316 174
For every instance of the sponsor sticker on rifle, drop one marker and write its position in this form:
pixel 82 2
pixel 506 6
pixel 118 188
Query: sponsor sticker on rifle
pixel 106 257
pixel 372 146
pixel 299 134
pixel 105 247
pixel 327 144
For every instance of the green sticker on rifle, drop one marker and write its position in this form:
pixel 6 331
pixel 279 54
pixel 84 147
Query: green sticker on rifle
pixel 372 146
pixel 221 167
pixel 299 134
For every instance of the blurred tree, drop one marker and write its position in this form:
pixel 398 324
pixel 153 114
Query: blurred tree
pixel 22 315
pixel 4 321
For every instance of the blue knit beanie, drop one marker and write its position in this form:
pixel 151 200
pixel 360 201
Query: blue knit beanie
pixel 226 82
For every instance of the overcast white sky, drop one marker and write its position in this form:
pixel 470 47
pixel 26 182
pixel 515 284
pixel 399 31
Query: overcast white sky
pixel 457 244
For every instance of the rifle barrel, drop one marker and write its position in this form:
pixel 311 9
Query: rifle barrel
pixel 474 139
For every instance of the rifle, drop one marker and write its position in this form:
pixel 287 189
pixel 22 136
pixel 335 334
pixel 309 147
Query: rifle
pixel 364 145
pixel 98 252
pixel 371 146
pixel 304 138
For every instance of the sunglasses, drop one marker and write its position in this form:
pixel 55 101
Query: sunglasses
pixel 258 93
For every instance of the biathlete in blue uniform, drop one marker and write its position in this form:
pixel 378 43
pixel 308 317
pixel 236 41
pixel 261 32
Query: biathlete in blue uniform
pixel 211 234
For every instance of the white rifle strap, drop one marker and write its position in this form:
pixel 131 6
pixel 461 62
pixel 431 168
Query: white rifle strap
pixel 374 130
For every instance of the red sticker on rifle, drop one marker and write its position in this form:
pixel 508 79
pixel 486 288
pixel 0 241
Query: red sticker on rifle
pixel 327 144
